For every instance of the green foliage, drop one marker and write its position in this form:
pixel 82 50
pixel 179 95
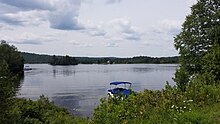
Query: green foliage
pixel 11 56
pixel 10 63
pixel 3 68
pixel 137 108
pixel 67 60
pixel 169 105
pixel 212 112
pixel 200 31
pixel 194 117
pixel 182 77
pixel 41 111
pixel 6 94
pixel 8 85
pixel 211 62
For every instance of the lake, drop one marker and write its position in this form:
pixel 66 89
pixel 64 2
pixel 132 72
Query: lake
pixel 79 88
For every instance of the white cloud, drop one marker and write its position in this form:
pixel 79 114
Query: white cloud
pixel 111 45
pixel 61 14
pixel 113 1
pixel 8 9
pixel 167 26
pixel 117 29
pixel 94 30
pixel 32 17
pixel 30 38
pixel 80 44
pixel 123 28
pixel 191 2
pixel 28 4
pixel 65 17
pixel 161 35
pixel 4 27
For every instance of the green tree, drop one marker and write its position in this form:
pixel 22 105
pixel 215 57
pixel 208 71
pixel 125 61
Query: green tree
pixel 42 111
pixel 10 64
pixel 200 31
pixel 7 91
pixel 211 68
pixel 54 60
pixel 12 57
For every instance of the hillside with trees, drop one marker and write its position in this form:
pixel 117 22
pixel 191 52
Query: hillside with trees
pixel 33 58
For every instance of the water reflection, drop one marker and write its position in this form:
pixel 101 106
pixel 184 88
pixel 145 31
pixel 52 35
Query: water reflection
pixel 64 72
pixel 80 87
pixel 79 103
pixel 54 72
pixel 18 81
pixel 142 69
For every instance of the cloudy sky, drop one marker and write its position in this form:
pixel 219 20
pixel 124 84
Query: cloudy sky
pixel 121 28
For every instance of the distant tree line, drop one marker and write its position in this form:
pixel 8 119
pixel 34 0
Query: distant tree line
pixel 67 60
pixel 63 60
pixel 32 58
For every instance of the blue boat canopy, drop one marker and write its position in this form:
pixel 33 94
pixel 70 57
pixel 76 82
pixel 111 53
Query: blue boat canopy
pixel 117 83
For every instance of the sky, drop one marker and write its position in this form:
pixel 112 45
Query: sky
pixel 94 28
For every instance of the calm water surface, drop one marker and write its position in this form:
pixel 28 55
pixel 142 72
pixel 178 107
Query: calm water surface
pixel 79 88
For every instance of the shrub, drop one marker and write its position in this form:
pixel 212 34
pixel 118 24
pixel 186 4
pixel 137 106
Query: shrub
pixel 41 111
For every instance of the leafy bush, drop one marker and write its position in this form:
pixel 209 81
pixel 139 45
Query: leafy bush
pixel 41 111
pixel 169 105
pixel 8 85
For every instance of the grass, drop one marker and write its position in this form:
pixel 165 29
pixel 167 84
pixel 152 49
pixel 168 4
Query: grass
pixel 212 112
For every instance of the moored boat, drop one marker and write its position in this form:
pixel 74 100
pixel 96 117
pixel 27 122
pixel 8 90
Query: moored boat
pixel 27 68
pixel 120 88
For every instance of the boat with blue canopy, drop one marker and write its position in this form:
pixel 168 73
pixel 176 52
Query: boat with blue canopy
pixel 120 88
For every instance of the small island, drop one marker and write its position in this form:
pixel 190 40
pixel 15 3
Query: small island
pixel 63 60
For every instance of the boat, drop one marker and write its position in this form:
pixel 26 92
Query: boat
pixel 27 68
pixel 119 88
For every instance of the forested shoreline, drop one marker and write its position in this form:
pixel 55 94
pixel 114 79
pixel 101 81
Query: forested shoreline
pixel 32 58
